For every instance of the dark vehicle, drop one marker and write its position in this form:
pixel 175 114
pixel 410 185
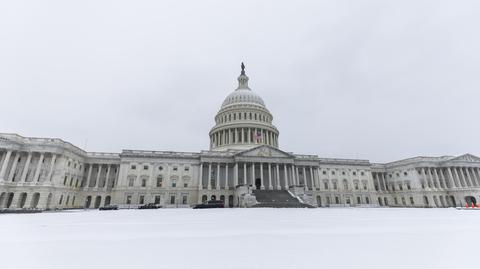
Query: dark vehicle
pixel 109 207
pixel 210 204
pixel 149 206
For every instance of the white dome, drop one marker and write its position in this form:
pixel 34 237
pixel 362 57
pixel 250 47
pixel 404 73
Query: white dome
pixel 243 96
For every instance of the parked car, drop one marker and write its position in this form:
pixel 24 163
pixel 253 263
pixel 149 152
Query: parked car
pixel 149 206
pixel 210 204
pixel 109 207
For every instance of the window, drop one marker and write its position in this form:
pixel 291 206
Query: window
pixel 395 200
pixel 362 173
pixel 65 181
pixel 157 199
pixel 174 183
pixel 175 168
pixel 356 185
pixel 403 201
pixel 61 199
pixel 144 182
pixel 364 185
pixel 334 185
pixel 184 199
pixel 187 168
pixel 343 173
pixel 68 163
pixel 141 199
pixel 133 167
pixel 359 200
pixel 408 186
pixel 172 200
pixel 325 184
pixel 145 167
pixel 337 200
pixel 159 181
pixel 367 200
pixel 333 172
pixel 398 174
pixel 404 173
pixel 411 201
pixel 400 186
pixel 345 184
pixel 131 181
pixel 185 185
pixel 324 172
pixel 354 173
pixel 129 199
pixel 160 168
pixel 74 166
pixel 328 200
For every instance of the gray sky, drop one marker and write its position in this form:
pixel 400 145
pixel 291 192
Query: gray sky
pixel 378 80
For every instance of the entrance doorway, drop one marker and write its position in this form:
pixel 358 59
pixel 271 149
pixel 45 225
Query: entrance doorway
pixel 470 200
pixel 258 183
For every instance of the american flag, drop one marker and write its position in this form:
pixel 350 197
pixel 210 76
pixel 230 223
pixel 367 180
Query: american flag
pixel 257 136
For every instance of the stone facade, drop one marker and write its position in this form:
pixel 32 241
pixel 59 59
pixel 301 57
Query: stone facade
pixel 49 173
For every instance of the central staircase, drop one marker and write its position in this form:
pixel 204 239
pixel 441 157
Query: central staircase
pixel 277 199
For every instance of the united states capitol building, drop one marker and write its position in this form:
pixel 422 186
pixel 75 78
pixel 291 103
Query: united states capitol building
pixel 244 167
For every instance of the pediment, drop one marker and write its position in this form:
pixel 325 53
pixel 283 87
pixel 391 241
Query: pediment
pixel 466 158
pixel 264 151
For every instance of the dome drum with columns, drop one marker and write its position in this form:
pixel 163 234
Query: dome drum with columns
pixel 243 121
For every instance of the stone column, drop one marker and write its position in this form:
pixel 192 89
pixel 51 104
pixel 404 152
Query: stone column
pixel 217 182
pixel 98 175
pixel 52 165
pixel 3 170
pixel 39 166
pixel 285 174
pixel 452 179
pixel 262 186
pixel 297 176
pixel 311 179
pixel 469 178
pixel 89 175
pixel 235 176
pixel 14 166
pixel 226 176
pixel 270 187
pixel 277 166
pixel 253 174
pixel 459 173
pixel 200 177
pixel 304 171
pixel 108 173
pixel 209 178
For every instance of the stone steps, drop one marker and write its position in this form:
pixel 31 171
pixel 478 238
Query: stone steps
pixel 277 199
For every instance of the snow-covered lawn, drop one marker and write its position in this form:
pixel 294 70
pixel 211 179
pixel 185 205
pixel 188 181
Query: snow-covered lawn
pixel 242 238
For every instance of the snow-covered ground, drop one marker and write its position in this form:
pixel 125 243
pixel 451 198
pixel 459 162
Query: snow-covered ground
pixel 242 238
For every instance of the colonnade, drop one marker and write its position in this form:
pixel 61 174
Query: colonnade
pixel 93 180
pixel 11 172
pixel 450 177
pixel 269 176
pixel 244 136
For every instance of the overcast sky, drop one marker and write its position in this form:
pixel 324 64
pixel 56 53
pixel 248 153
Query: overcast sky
pixel 377 80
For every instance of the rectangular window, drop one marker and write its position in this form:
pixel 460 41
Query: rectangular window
pixel 175 168
pixel 184 200
pixel 325 184
pixel 174 183
pixel 337 200
pixel 141 199
pixel 172 200
pixel 131 181
pixel 159 182
pixel 145 167
pixel 144 182
pixel 185 185
pixel 324 172
pixel 133 167
pixel 334 185
pixel 157 199
pixel 129 199
pixel 187 168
